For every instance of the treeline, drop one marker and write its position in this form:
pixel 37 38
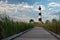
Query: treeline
pixel 9 27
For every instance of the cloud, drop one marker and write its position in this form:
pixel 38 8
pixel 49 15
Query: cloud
pixel 49 17
pixel 22 11
pixel 53 4
pixel 54 14
pixel 21 18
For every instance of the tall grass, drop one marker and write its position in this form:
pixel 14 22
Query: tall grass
pixel 9 27
pixel 53 26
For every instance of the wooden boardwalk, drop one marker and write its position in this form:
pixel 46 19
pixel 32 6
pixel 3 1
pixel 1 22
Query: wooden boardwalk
pixel 37 33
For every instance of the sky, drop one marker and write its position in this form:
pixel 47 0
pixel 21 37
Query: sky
pixel 24 10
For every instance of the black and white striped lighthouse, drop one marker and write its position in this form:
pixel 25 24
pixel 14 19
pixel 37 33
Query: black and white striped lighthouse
pixel 40 16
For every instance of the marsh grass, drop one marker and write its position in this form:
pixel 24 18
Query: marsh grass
pixel 9 27
pixel 53 26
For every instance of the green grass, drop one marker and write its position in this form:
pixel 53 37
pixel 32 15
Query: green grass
pixel 53 26
pixel 9 27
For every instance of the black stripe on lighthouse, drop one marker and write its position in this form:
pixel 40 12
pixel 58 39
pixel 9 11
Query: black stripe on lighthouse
pixel 40 14
pixel 40 19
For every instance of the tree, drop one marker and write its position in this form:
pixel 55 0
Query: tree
pixel 54 20
pixel 31 21
pixel 47 21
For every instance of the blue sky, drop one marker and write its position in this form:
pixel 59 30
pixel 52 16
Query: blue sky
pixel 28 9
pixel 43 2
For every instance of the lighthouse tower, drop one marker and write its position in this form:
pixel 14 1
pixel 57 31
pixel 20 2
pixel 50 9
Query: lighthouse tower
pixel 40 16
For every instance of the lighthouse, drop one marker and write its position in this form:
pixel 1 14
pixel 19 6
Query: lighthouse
pixel 39 15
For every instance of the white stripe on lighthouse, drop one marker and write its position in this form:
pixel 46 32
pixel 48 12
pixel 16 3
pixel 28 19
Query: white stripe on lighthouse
pixel 39 17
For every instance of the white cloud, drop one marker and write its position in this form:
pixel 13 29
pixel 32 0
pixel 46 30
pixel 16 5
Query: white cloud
pixel 18 9
pixel 21 18
pixel 53 4
pixel 51 15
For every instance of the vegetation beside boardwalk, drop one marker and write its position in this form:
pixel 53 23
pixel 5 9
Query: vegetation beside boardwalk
pixel 9 27
pixel 53 26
